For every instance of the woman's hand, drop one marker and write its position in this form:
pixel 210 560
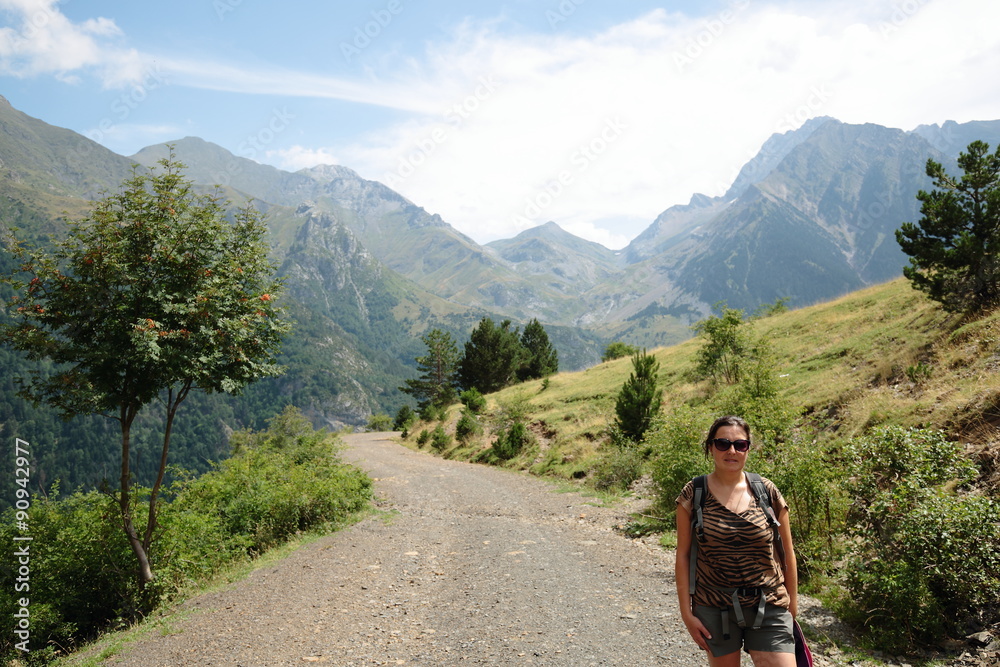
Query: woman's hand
pixel 699 633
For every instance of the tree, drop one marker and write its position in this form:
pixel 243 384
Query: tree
pixel 438 369
pixel 541 358
pixel 617 350
pixel 492 356
pixel 726 346
pixel 153 295
pixel 955 248
pixel 639 399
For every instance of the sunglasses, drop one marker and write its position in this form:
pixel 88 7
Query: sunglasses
pixel 723 445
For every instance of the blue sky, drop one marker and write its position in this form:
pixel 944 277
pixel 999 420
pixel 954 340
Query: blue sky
pixel 500 116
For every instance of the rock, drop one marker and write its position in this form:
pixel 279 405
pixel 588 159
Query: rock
pixel 980 639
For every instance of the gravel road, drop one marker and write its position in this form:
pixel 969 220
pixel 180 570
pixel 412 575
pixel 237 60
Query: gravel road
pixel 473 565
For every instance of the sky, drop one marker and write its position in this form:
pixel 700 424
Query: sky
pixel 500 116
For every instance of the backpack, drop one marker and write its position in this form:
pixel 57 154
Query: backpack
pixel 803 656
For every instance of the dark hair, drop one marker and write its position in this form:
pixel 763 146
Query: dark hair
pixel 728 420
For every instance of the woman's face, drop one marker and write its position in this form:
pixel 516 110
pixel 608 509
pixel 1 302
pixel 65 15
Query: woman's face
pixel 730 460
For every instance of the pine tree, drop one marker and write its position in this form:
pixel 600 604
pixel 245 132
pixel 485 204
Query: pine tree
pixel 639 399
pixel 492 357
pixel 955 248
pixel 541 359
pixel 438 369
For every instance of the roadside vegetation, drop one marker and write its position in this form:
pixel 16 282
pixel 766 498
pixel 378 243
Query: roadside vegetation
pixel 875 414
pixel 280 483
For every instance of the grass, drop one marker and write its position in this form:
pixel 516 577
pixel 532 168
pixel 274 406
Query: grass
pixel 882 355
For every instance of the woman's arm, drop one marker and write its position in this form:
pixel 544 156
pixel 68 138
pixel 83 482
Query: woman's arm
pixel 790 565
pixel 682 579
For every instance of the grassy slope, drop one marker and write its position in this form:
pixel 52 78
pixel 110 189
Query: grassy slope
pixel 844 363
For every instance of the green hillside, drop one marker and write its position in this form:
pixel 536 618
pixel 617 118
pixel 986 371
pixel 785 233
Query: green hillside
pixel 889 456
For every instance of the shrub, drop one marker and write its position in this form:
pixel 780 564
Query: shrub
pixel 618 468
pixel 440 440
pixel 468 426
pixel 473 400
pixel 405 417
pixel 639 400
pixel 926 559
pixel 423 437
pixel 677 455
pixel 432 413
pixel 511 441
pixel 618 350
pixel 380 422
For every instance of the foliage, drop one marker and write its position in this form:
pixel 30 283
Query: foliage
pixel 493 355
pixel 380 422
pixel 511 441
pixel 618 468
pixel 955 248
pixel 726 345
pixel 468 426
pixel 440 440
pixel 281 481
pixel 154 294
pixel 431 413
pixel 617 350
pixel 640 397
pixel 423 437
pixel 926 559
pixel 541 358
pixel 438 371
pixel 473 400
pixel 405 417
pixel 677 455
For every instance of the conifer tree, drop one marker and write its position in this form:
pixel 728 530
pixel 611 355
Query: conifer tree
pixel 955 248
pixel 639 399
pixel 541 359
pixel 492 357
pixel 438 370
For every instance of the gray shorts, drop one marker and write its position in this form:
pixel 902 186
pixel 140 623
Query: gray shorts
pixel 774 635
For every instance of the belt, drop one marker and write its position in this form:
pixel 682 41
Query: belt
pixel 735 594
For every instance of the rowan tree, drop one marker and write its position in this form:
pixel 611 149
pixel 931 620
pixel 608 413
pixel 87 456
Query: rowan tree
pixel 955 248
pixel 156 293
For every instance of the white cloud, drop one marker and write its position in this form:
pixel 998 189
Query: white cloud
pixel 45 41
pixel 692 100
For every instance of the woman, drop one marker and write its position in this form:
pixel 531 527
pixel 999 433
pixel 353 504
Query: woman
pixel 737 559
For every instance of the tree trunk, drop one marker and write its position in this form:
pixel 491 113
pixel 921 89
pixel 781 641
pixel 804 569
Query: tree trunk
pixel 145 572
pixel 173 402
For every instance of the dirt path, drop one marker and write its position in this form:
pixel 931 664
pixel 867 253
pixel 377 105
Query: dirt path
pixel 474 566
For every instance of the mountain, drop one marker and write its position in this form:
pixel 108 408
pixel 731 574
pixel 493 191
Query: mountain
pixel 952 138
pixel 818 224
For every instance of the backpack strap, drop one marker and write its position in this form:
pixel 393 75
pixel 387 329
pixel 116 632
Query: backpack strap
pixel 697 525
pixel 764 501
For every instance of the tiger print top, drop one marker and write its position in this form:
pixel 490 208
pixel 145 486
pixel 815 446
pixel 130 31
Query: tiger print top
pixel 737 550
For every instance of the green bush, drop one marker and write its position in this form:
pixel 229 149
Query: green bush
pixel 440 440
pixel 925 561
pixel 618 468
pixel 380 422
pixel 675 440
pixel 473 400
pixel 405 418
pixel 423 437
pixel 468 426
pixel 432 413
pixel 617 350
pixel 512 441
